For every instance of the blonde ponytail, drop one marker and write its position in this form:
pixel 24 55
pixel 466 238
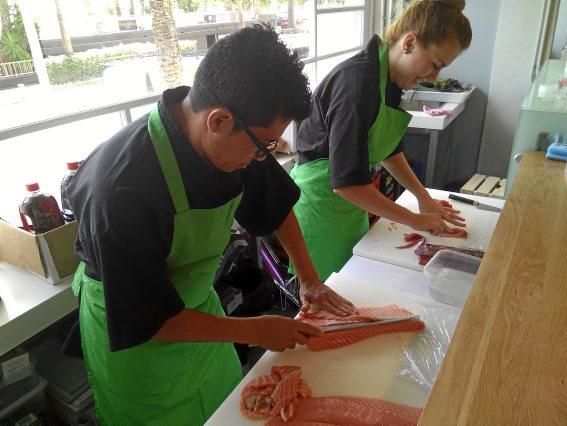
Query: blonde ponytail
pixel 457 4
pixel 433 21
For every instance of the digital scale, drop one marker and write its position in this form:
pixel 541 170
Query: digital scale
pixel 558 148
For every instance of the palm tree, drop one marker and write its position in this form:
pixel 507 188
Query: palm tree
pixel 291 13
pixel 165 35
pixel 142 7
pixel 5 17
pixel 117 8
pixel 240 12
pixel 65 38
pixel 131 8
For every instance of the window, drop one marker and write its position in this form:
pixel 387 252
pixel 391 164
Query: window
pixel 340 28
pixel 72 72
pixel 389 10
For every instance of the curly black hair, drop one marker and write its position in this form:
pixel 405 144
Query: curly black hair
pixel 252 73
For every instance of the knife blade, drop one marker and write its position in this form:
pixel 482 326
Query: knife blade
pixel 489 208
pixel 348 326
pixel 475 203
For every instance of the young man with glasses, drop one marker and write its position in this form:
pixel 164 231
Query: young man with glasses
pixel 155 205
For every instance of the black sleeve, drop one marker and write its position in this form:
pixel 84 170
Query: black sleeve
pixel 268 197
pixel 398 149
pixel 394 97
pixel 348 148
pixel 130 256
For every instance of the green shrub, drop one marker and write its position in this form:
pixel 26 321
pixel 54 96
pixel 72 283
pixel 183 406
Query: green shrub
pixel 187 48
pixel 88 65
pixel 11 50
pixel 82 68
pixel 72 69
pixel 118 56
pixel 14 43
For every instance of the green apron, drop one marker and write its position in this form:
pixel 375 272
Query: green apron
pixel 158 382
pixel 330 224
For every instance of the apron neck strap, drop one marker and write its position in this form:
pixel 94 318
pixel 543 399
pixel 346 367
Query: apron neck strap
pixel 384 61
pixel 167 161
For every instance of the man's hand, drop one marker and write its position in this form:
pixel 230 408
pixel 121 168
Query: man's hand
pixel 314 292
pixel 448 214
pixel 278 333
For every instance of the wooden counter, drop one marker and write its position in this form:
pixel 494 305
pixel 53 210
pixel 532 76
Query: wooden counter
pixel 507 362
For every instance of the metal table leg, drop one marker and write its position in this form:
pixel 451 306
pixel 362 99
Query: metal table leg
pixel 433 139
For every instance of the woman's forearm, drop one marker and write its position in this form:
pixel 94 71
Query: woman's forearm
pixel 398 167
pixel 368 198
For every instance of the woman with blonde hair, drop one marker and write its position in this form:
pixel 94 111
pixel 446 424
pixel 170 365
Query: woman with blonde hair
pixel 357 123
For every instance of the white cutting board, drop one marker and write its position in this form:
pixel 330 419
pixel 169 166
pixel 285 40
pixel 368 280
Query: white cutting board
pixel 366 369
pixel 381 241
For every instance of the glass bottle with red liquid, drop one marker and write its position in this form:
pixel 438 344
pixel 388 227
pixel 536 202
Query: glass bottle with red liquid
pixel 42 209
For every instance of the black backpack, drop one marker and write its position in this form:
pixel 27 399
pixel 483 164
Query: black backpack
pixel 243 287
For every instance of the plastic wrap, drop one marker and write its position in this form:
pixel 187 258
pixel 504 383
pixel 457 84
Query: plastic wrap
pixel 421 361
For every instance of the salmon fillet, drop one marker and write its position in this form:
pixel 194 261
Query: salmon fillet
pixel 322 318
pixel 275 394
pixel 285 398
pixel 452 233
pixel 341 338
pixel 352 411
pixel 297 423
pixel 427 249
pixel 411 240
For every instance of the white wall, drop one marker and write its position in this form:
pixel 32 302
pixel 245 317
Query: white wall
pixel 560 36
pixel 459 145
pixel 474 67
pixel 499 63
pixel 516 42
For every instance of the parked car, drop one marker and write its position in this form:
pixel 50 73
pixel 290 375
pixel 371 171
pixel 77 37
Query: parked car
pixel 281 21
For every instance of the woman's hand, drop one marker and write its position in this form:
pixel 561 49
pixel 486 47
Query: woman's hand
pixel 431 222
pixel 444 209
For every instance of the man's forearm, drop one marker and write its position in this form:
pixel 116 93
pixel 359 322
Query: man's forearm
pixel 289 234
pixel 196 326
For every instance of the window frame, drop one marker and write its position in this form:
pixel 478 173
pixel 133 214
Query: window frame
pixel 367 8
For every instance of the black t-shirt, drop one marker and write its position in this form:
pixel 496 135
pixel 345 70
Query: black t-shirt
pixel 125 216
pixel 345 105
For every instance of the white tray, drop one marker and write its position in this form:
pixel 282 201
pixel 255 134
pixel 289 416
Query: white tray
pixel 436 95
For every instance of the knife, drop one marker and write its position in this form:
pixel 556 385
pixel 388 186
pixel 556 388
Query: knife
pixel 347 326
pixel 475 203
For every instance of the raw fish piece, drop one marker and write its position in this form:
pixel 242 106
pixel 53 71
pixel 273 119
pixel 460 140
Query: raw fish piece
pixel 352 411
pixel 341 338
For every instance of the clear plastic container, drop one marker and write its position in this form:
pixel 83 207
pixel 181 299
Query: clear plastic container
pixel 450 275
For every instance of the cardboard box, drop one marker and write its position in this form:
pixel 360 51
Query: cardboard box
pixel 51 256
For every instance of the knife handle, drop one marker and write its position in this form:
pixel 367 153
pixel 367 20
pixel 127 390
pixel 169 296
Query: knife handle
pixel 462 199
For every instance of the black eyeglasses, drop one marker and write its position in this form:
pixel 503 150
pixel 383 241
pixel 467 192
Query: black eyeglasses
pixel 263 150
